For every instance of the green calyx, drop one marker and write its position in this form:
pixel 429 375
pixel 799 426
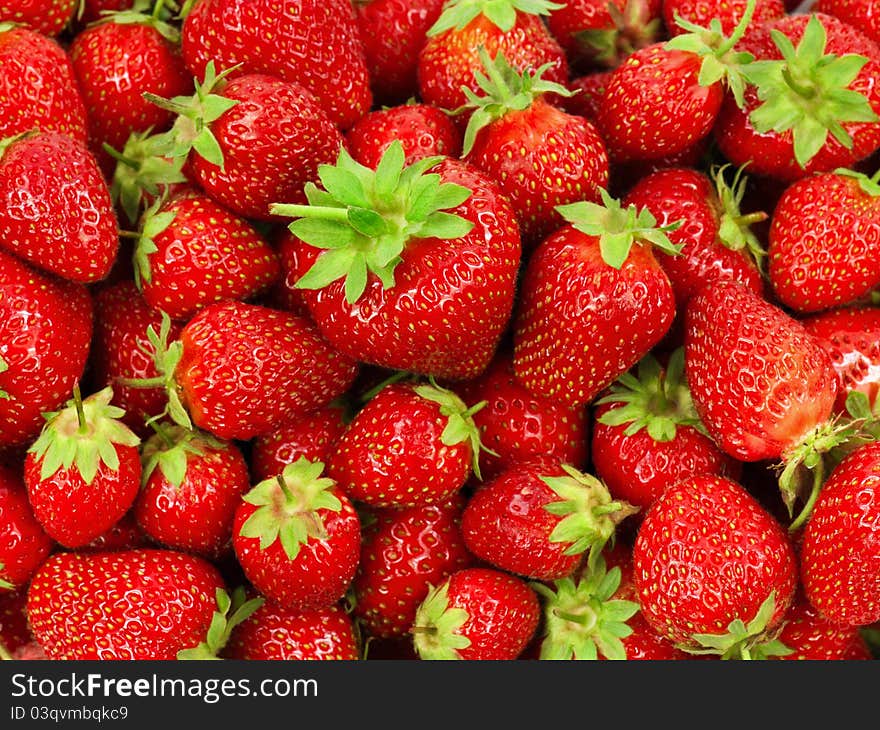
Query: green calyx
pixel 137 15
pixel 4 366
pixel 720 62
pixel 743 641
pixel 869 185
pixel 589 515
pixel 581 618
pixel 153 222
pixel 230 613
pixel 83 435
pixel 655 399
pixel 734 229
pixel 632 28
pixel 504 89
pixel 436 626
pixel 287 507
pixel 5 584
pixel 502 13
pixel 169 449
pixel 364 218
pixel 618 228
pixel 192 130
pixel 807 92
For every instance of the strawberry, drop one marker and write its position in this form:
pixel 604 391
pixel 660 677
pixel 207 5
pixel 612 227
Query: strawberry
pixel 713 569
pixel 316 44
pixel 276 632
pixel 285 294
pixel 449 56
pixel 812 102
pixel 191 487
pixel 297 537
pixel 93 10
pixel 860 14
pixel 124 535
pixel 403 554
pixel 593 301
pixel 541 157
pixel 48 17
pixel 192 252
pixel 423 130
pixel 648 435
pixel 137 604
pixel 476 614
pixel 24 545
pixel 45 333
pixel 839 558
pixel 824 246
pixel 38 87
pixel 728 14
pixel 380 250
pixel 15 635
pixel 83 473
pixel 587 92
pixel 393 33
pixel 810 636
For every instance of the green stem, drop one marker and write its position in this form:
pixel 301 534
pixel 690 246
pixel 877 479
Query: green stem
pixel 747 220
pixel 80 411
pixel 284 488
pixel 374 391
pixel 818 475
pixel 157 9
pixel 119 157
pixel 740 29
pixel 142 382
pixel 162 433
pixel 574 618
pixel 805 91
pixel 319 212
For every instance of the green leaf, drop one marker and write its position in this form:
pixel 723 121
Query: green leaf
pixel 207 146
pixel 444 225
pixel 367 222
pixel 330 266
pixel 389 169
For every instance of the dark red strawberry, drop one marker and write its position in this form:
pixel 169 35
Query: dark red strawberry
pixel 49 17
pixel 285 295
pixel 727 13
pixel 15 635
pixel 124 535
pixel 861 14
pixel 93 10
pixel 587 92
pixel 810 636
pixel 24 545
pixel 135 604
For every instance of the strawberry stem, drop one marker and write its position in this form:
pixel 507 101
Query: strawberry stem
pixel 803 90
pixel 818 478
pixel 740 29
pixel 80 412
pixel 321 212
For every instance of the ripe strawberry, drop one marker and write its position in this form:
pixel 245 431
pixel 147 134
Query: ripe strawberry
pixel 861 14
pixel 449 56
pixel 810 636
pixel 84 471
pixel 135 604
pixel 728 14
pixel 316 44
pixel 15 635
pixel 124 535
pixel 432 232
pixel 38 87
pixel 24 545
pixel 812 102
pixel 55 207
pixel 192 252
pixel 48 17
pixel 275 632
pixel 285 294
pixel 587 92
pixel 713 569
pixel 648 435
pixel 824 247
pixel 191 487
pixel 839 556
pixel 476 614
pixel 93 10
pixel 403 554
pixel 541 156
pixel 297 537
pixel 45 333
pixel 423 130
pixel 593 301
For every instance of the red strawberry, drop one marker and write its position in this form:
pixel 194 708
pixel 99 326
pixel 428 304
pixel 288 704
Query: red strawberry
pixel 24 545
pixel 15 635
pixel 49 17
pixel 593 301
pixel 861 14
pixel 424 279
pixel 45 333
pixel 824 248
pixel 192 485
pixel 84 471
pixel 317 46
pixel 285 295
pixel 403 554
pixel 275 632
pixel 587 92
pixel 727 13
pixel 423 130
pixel 476 614
pixel 810 636
pixel 713 569
pixel 135 604
pixel 55 207
pixel 297 537
pixel 93 10
pixel 839 556
pixel 124 535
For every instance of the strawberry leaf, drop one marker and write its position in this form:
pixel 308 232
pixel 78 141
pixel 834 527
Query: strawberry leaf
pixel 436 627
pixel 5 584
pixel 4 366
pixel 152 224
pixel 502 13
pixel 869 185
pixel 230 613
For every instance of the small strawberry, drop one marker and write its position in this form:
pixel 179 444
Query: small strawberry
pixel 49 17
pixel 134 604
pixel 727 13
pixel 84 471
pixel 24 545
pixel 476 614
pixel 297 537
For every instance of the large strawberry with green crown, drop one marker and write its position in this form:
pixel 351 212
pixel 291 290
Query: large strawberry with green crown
pixel 48 17
pixel 312 42
pixel 408 267
pixel 24 545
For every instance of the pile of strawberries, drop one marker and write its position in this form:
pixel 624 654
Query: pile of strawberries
pixel 485 329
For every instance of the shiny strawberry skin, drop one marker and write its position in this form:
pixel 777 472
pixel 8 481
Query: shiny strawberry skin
pixel 727 13
pixel 45 334
pixel 707 553
pixel 124 535
pixel 861 14
pixel 759 381
pixel 812 637
pixel 38 87
pixel 245 368
pixel 474 276
pixel 137 604
pixel 24 545
pixel 278 633
pixel 55 208
pixel 48 17
pixel 824 247
pixel 316 45
pixel 403 554
pixel 839 558
pixel 588 92
pixel 570 299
